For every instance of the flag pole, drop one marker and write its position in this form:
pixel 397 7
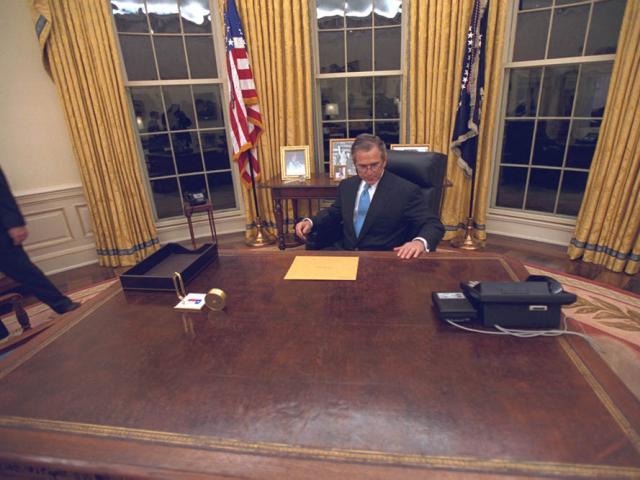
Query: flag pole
pixel 467 241
pixel 467 124
pixel 262 237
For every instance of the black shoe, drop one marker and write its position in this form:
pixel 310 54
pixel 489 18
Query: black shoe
pixel 67 307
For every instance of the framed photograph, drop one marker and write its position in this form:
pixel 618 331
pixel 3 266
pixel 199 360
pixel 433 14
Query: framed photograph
pixel 340 163
pixel 294 162
pixel 413 147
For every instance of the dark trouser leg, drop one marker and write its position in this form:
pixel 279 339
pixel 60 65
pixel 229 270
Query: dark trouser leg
pixel 15 263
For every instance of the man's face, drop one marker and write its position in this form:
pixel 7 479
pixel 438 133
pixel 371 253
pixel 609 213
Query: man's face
pixel 369 165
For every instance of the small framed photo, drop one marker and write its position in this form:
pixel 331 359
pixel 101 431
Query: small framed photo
pixel 340 163
pixel 412 147
pixel 294 162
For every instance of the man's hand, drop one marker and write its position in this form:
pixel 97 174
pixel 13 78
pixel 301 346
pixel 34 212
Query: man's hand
pixel 18 234
pixel 303 228
pixel 411 249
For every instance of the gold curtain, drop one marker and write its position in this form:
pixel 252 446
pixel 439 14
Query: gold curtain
pixel 79 50
pixel 608 226
pixel 437 40
pixel 278 39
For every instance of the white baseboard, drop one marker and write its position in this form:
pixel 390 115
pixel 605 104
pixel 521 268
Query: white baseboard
pixel 557 231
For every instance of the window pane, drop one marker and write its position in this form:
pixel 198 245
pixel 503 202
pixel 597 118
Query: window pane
pixel 543 185
pixel 138 57
pixel 166 197
pixel 196 16
pixel 388 12
pixel 606 20
pixel 558 90
pixel 179 107
pixel 593 89
pixel 360 97
pixel 356 128
pixel 573 185
pixel 221 187
pixel 582 143
pixel 147 106
pixel 389 132
pixel 208 106
pixel 551 138
pixel 531 35
pixel 170 55
pixel 388 46
pixel 202 60
pixel 129 15
pixel 330 13
pixel 568 32
pixel 531 4
pixel 516 146
pixel 359 13
pixel 157 155
pixel 511 187
pixel 329 131
pixel 192 184
pixel 214 149
pixel 332 92
pixel 163 15
pixel 187 150
pixel 387 97
pixel 524 86
pixel 359 50
pixel 331 51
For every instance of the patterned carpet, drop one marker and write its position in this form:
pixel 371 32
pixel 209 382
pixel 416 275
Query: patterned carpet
pixel 40 314
pixel 611 317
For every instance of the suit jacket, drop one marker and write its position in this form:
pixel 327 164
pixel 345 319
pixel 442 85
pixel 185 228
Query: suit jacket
pixel 397 214
pixel 10 215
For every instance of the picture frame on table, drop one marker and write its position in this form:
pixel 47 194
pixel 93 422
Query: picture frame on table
pixel 340 163
pixel 411 147
pixel 294 162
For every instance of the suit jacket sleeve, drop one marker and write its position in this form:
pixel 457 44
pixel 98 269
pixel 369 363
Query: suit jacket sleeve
pixel 426 224
pixel 10 215
pixel 330 218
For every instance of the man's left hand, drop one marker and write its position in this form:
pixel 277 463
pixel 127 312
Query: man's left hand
pixel 411 249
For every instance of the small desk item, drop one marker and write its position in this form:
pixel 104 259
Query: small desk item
pixel 205 207
pixel 192 302
pixel 318 187
pixel 323 268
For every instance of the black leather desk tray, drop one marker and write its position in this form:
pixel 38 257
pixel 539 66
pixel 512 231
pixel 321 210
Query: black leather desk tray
pixel 156 271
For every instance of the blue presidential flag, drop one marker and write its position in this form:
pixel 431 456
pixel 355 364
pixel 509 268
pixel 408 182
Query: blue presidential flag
pixel 465 133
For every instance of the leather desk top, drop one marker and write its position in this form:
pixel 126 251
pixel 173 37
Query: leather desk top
pixel 311 379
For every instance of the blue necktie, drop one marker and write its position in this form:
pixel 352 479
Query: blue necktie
pixel 363 207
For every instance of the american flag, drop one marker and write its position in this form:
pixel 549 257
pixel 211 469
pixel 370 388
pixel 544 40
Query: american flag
pixel 244 111
pixel 465 133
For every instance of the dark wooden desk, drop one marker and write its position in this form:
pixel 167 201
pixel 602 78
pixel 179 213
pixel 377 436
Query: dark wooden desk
pixel 316 188
pixel 326 380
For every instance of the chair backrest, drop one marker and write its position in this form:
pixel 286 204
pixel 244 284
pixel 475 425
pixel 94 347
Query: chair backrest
pixel 425 169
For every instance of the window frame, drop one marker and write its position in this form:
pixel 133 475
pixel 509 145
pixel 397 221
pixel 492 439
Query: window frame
pixel 220 54
pixel 548 226
pixel 402 73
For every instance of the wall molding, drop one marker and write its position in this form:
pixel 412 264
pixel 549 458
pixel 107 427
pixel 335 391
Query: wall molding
pixel 61 235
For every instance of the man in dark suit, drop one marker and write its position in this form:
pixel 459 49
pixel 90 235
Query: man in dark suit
pixel 378 210
pixel 15 263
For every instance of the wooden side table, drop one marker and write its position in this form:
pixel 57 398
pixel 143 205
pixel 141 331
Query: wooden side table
pixel 318 187
pixel 189 210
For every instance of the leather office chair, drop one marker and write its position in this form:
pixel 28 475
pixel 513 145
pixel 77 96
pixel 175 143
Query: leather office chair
pixel 425 169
